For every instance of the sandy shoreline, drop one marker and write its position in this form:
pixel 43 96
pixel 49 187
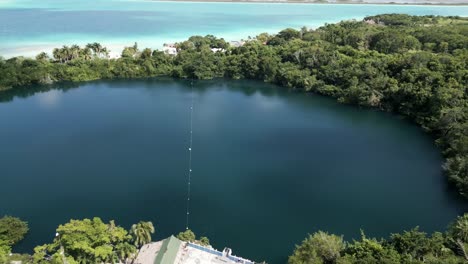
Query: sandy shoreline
pixel 32 47
pixel 338 2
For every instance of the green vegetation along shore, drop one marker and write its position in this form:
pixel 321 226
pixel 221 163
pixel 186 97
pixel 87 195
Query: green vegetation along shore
pixel 94 241
pixel 410 65
pixel 83 241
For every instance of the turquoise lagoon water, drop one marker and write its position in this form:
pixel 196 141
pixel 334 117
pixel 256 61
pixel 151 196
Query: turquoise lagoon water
pixel 28 26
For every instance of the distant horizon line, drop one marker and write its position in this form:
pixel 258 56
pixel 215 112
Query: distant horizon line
pixel 319 2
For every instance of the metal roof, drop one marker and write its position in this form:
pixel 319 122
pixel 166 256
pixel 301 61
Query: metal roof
pixel 168 252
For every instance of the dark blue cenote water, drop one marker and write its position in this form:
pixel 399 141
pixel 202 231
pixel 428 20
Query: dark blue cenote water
pixel 269 165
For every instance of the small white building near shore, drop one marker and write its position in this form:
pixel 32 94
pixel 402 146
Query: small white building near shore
pixel 236 43
pixel 170 48
pixel 174 251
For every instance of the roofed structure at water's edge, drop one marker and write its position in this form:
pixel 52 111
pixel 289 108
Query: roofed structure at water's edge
pixel 173 251
pixel 168 251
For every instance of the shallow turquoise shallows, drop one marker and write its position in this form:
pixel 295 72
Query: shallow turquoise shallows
pixel 30 26
pixel 269 166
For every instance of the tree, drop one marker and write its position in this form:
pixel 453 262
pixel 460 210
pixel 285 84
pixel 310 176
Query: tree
pixel 303 31
pixel 130 52
pixel 263 37
pixel 276 41
pixel 5 250
pixel 75 52
pixel 204 241
pixel 125 251
pixel 318 248
pixel 105 52
pixel 289 33
pixel 86 241
pixel 457 169
pixel 65 53
pixel 141 233
pixel 97 48
pixel 413 243
pixel 391 42
pixel 371 250
pixel 458 235
pixel 86 53
pixel 187 236
pixel 12 230
pixel 42 56
pixel 305 254
pixel 146 54
pixel 57 54
pixel 459 228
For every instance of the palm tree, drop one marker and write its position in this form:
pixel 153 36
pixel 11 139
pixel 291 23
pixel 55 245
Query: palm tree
pixel 86 53
pixel 75 52
pixel 56 54
pixel 105 52
pixel 459 234
pixel 96 48
pixel 65 53
pixel 459 228
pixel 42 56
pixel 125 251
pixel 141 233
pixel 62 55
pixel 91 47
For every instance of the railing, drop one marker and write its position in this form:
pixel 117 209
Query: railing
pixel 217 253
pixel 240 260
pixel 211 251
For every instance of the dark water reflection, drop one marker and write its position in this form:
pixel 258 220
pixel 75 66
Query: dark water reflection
pixel 270 165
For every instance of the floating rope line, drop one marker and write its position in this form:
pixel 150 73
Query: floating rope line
pixel 189 178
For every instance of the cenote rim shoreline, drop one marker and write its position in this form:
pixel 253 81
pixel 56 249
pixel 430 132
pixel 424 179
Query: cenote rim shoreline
pixel 184 86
